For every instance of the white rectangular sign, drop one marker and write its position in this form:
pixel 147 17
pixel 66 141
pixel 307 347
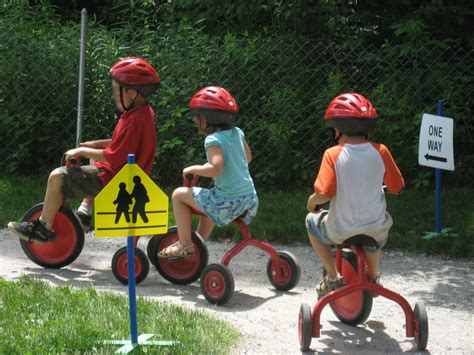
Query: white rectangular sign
pixel 436 142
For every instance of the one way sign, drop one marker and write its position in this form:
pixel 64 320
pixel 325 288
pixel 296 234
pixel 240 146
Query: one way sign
pixel 436 142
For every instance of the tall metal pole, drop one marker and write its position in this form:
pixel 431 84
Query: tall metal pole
pixel 82 64
pixel 438 182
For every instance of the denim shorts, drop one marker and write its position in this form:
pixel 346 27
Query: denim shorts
pixel 222 210
pixel 316 227
pixel 81 181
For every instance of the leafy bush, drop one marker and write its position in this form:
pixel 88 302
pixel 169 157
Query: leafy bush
pixel 282 82
pixel 38 87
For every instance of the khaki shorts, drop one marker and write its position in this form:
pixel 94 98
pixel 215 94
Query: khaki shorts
pixel 81 181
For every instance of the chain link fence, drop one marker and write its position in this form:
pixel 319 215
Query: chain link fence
pixel 282 84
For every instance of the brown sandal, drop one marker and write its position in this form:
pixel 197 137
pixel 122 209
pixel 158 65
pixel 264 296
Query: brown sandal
pixel 177 250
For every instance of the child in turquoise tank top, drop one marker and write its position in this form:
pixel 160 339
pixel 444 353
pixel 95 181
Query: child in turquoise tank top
pixel 228 155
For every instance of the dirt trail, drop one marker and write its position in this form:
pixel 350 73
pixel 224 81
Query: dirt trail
pixel 268 318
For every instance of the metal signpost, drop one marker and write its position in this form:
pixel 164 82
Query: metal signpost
pixel 82 65
pixel 154 219
pixel 436 151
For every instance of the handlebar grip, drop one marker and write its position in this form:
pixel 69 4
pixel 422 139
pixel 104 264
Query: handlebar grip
pixel 190 180
pixel 72 162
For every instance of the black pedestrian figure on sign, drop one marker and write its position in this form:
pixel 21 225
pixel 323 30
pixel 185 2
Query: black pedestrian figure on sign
pixel 123 201
pixel 140 195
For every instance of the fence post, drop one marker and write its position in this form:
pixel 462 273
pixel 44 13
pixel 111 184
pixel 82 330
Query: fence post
pixel 438 182
pixel 82 59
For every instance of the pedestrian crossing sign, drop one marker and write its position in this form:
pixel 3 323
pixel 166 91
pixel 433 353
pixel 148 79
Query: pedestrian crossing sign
pixel 130 204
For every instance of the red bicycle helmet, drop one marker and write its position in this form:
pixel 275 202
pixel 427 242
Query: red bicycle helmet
pixel 136 73
pixel 352 114
pixel 216 104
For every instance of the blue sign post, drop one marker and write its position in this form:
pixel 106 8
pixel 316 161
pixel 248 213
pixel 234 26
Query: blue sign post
pixel 131 280
pixel 436 150
pixel 135 340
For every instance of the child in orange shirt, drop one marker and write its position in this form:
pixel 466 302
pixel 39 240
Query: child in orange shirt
pixel 351 179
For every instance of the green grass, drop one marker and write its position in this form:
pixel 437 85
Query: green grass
pixel 17 195
pixel 281 216
pixel 38 319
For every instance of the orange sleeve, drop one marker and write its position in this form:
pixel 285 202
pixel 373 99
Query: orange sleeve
pixel 393 179
pixel 326 181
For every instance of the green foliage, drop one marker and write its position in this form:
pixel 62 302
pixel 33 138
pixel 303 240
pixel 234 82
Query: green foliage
pixel 32 114
pixel 282 82
pixel 367 22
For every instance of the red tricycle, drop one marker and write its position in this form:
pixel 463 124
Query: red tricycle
pixel 352 303
pixel 217 281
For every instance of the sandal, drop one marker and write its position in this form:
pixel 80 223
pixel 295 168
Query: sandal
pixel 177 250
pixel 327 285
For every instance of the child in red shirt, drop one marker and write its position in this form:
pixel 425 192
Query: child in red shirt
pixel 135 133
pixel 350 178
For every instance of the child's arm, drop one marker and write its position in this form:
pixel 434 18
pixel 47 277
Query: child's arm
pixel 315 200
pixel 211 169
pixel 393 179
pixel 98 144
pixel 248 152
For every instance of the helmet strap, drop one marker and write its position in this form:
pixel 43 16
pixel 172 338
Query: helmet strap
pixel 336 136
pixel 123 103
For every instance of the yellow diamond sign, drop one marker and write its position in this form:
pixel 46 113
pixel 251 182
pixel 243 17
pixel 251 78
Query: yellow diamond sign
pixel 130 205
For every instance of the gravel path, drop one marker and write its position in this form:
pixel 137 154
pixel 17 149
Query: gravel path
pixel 267 319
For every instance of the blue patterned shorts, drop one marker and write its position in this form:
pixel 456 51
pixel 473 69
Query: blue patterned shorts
pixel 222 210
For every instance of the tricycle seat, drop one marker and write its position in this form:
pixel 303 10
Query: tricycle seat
pixel 360 239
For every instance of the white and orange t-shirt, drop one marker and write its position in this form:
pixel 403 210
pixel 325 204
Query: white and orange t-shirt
pixel 352 175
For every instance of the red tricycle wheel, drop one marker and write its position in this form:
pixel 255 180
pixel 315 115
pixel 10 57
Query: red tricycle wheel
pixel 217 284
pixel 420 318
pixel 305 327
pixel 120 265
pixel 290 270
pixel 180 271
pixel 354 308
pixel 65 248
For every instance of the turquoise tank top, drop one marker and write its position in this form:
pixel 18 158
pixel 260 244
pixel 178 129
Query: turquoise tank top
pixel 235 180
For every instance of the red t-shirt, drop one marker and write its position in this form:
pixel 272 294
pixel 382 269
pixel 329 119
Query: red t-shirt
pixel 135 133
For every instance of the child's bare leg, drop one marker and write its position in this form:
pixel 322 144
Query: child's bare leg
pixel 205 227
pixel 53 197
pixel 88 201
pixel 182 201
pixel 373 260
pixel 325 255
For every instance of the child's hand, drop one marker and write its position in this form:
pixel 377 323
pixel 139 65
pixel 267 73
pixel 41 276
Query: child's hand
pixel 190 170
pixel 73 153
